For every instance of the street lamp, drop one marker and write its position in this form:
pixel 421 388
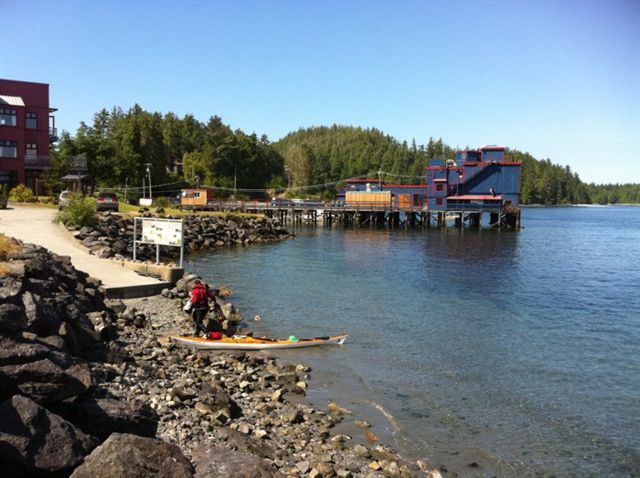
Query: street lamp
pixel 149 173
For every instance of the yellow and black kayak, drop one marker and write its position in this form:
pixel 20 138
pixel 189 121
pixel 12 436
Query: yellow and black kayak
pixel 244 342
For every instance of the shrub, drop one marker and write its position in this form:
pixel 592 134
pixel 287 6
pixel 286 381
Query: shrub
pixel 4 191
pixel 162 202
pixel 79 212
pixel 21 193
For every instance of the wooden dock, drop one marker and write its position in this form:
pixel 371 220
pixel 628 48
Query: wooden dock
pixel 372 215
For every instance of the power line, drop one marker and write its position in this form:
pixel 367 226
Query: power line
pixel 159 187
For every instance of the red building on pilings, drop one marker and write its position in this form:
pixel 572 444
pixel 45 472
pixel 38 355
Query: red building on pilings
pixel 27 129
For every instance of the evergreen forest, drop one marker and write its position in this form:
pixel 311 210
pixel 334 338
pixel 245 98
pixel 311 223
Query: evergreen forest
pixel 122 149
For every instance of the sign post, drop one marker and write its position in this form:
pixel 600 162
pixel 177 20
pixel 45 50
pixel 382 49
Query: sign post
pixel 161 232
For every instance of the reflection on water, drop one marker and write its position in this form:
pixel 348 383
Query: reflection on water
pixel 515 350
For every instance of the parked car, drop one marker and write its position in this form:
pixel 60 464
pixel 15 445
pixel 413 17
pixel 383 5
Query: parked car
pixel 281 202
pixel 107 202
pixel 63 199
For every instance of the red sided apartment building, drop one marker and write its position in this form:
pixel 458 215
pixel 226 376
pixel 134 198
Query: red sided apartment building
pixel 27 128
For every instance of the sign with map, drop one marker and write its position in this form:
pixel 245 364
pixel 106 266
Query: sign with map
pixel 163 232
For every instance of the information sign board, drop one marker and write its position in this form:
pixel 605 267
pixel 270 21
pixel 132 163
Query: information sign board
pixel 165 232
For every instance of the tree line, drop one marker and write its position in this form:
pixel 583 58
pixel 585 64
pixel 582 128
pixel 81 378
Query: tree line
pixel 125 147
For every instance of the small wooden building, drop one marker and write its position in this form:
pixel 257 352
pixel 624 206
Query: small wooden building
pixel 196 198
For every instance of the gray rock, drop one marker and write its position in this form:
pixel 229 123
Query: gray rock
pixel 43 317
pixel 10 288
pixel 35 442
pixel 212 461
pixel 42 374
pixel 100 417
pixel 12 318
pixel 102 324
pixel 116 305
pixel 130 456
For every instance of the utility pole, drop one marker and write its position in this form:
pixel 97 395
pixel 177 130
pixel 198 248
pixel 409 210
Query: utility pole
pixel 149 172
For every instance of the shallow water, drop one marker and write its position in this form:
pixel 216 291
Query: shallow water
pixel 516 351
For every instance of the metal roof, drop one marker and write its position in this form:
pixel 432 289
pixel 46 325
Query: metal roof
pixel 11 100
pixel 73 177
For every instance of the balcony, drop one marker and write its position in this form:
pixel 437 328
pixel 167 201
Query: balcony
pixel 53 135
pixel 37 162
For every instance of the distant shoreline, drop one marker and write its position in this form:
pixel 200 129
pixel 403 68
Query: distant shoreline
pixel 536 206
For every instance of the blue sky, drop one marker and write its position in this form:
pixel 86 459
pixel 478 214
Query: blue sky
pixel 560 80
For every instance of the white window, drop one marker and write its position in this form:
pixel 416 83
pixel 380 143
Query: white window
pixel 32 151
pixel 8 117
pixel 8 149
pixel 32 120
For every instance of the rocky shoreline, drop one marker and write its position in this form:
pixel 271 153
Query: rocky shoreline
pixel 94 387
pixel 113 235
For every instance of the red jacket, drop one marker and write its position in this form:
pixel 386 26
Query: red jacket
pixel 199 295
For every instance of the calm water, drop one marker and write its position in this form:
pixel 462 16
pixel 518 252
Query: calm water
pixel 517 351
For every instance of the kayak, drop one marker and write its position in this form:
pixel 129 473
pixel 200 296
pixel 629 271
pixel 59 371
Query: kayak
pixel 244 342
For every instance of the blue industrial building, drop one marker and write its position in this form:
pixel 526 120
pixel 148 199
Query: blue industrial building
pixel 477 181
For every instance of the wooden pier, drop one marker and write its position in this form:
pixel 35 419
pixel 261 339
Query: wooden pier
pixel 374 216
pixel 412 219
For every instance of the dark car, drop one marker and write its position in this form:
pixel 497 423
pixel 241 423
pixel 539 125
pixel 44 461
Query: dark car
pixel 281 202
pixel 107 202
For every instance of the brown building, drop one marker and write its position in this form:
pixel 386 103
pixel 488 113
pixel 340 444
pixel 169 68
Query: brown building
pixel 27 128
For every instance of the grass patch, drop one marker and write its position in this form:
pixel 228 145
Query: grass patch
pixel 132 210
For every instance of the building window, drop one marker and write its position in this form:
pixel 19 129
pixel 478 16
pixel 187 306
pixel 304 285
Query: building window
pixel 32 120
pixel 439 187
pixel 32 151
pixel 438 201
pixel 8 149
pixel 8 117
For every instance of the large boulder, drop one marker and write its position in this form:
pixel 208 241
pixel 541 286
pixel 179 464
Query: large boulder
pixel 36 371
pixel 101 417
pixel 211 461
pixel 35 442
pixel 44 314
pixel 12 318
pixel 131 456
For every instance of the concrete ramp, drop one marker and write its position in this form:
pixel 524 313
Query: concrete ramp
pixel 34 224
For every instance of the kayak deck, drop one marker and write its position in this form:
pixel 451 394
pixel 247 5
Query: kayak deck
pixel 243 342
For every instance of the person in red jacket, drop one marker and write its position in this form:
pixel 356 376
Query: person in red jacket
pixel 200 300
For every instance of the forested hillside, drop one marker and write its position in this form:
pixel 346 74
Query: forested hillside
pixel 121 148
pixel 329 154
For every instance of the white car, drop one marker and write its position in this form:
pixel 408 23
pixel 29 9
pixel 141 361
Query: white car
pixel 63 199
